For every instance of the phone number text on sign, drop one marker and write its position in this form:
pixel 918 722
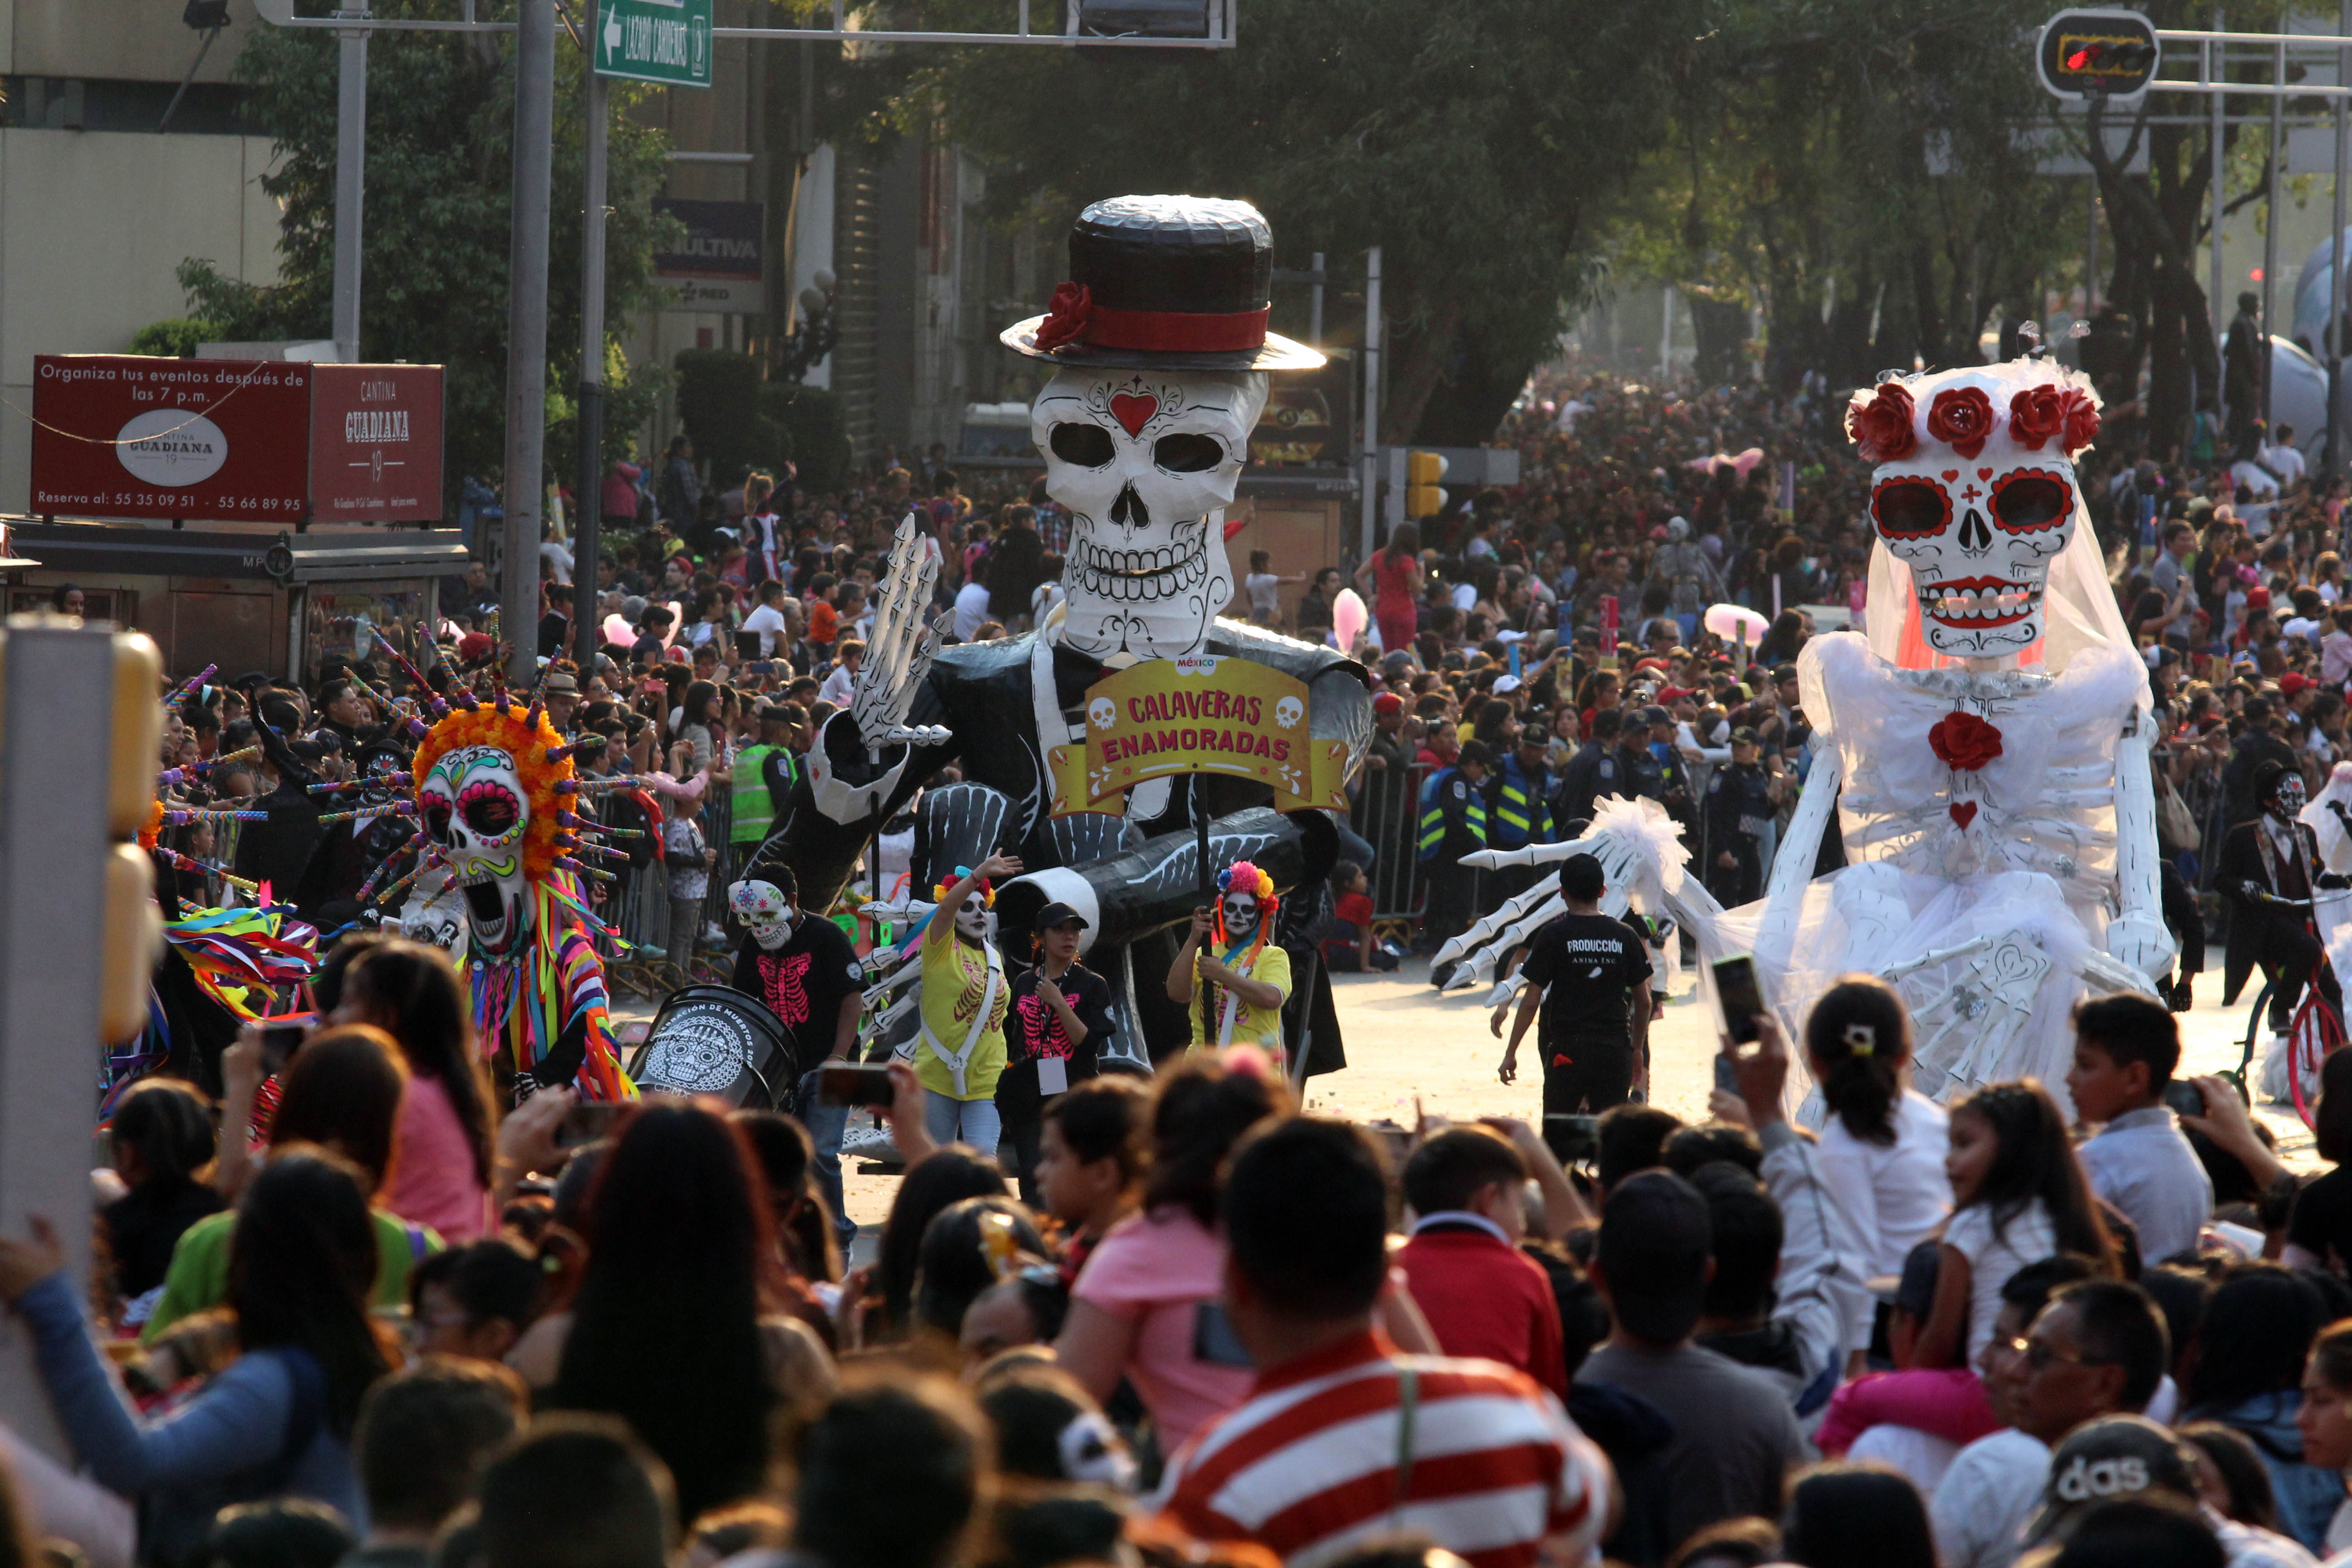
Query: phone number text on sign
pixel 129 435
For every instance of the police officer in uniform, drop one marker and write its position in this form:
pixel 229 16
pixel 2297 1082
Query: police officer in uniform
pixel 1518 814
pixel 1588 976
pixel 1654 769
pixel 1595 772
pixel 1453 823
pixel 1740 799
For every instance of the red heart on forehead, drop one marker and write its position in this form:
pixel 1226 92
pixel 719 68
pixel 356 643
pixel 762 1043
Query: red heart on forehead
pixel 1984 473
pixel 1951 473
pixel 1963 812
pixel 1133 409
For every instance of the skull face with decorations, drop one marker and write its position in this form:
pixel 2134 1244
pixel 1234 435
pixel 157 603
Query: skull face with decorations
pixel 1161 351
pixel 764 910
pixel 488 794
pixel 1146 464
pixel 1975 491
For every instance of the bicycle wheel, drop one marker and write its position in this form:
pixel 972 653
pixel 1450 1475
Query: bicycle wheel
pixel 2318 1032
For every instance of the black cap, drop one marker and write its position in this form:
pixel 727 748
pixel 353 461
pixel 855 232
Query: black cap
pixel 1654 714
pixel 1165 283
pixel 1059 914
pixel 1744 736
pixel 2114 1457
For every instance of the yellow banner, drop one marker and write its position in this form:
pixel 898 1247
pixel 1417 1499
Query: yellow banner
pixel 1204 714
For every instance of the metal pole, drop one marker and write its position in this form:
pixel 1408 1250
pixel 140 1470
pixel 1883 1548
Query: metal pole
pixel 534 142
pixel 1371 400
pixel 53 844
pixel 1315 310
pixel 2330 455
pixel 1208 897
pixel 2216 60
pixel 2090 251
pixel 2276 157
pixel 351 178
pixel 585 537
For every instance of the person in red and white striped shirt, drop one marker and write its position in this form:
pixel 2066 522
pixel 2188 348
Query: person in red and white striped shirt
pixel 1343 1437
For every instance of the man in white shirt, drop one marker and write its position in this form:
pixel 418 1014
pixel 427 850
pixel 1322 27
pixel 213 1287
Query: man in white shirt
pixel 2283 459
pixel 972 605
pixel 2125 1048
pixel 2098 1348
pixel 767 623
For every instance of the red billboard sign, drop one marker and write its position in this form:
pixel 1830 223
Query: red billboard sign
pixel 130 435
pixel 375 443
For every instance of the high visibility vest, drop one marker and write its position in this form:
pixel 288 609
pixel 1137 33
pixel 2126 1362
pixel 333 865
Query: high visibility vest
pixel 1520 815
pixel 753 810
pixel 1435 798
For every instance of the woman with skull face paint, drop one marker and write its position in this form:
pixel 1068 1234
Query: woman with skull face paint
pixel 960 1051
pixel 1059 1018
pixel 1248 974
pixel 2268 871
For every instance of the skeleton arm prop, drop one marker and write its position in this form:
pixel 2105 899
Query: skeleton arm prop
pixel 2138 936
pixel 1792 862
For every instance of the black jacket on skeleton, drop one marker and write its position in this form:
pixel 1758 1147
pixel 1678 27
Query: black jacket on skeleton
pixel 1144 874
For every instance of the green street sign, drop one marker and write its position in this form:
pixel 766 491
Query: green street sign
pixel 664 41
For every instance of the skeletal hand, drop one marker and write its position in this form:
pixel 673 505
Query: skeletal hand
pixel 898 655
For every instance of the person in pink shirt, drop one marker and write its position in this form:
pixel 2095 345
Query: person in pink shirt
pixel 1147 1306
pixel 443 1176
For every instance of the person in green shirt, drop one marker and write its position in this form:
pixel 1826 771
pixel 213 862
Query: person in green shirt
pixel 342 1091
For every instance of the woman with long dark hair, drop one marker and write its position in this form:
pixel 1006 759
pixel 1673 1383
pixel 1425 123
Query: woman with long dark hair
pixel 672 1328
pixel 1390 578
pixel 2258 1329
pixel 934 1183
pixel 412 992
pixel 1147 1306
pixel 278 1422
pixel 1855 1516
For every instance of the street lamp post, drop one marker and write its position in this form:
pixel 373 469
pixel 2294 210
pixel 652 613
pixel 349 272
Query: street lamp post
pixel 525 474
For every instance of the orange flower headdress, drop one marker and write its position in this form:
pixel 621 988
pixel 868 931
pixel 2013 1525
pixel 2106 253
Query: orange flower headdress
pixel 540 760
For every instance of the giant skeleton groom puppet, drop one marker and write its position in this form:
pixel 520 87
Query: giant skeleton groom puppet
pixel 1984 749
pixel 1160 358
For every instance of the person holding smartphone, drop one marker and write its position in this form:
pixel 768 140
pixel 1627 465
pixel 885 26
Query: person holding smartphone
pixel 1588 982
pixel 1059 1018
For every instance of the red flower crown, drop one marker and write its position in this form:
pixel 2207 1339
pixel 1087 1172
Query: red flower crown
pixel 1963 418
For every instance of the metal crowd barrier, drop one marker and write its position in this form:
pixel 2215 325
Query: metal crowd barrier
pixel 1385 815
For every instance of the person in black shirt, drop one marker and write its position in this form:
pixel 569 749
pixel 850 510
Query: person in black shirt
pixel 1589 974
pixel 803 967
pixel 1058 1018
pixel 555 626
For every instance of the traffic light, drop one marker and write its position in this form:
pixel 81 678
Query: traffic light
pixel 2098 54
pixel 134 926
pixel 1422 495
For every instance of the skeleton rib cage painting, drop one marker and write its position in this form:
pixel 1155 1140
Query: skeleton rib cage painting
pixel 1983 750
pixel 1162 360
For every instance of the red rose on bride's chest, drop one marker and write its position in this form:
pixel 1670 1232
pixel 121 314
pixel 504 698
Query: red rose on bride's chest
pixel 1965 742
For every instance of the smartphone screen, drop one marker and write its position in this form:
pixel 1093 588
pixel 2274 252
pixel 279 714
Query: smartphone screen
pixel 858 1085
pixel 586 1122
pixel 1736 994
pixel 280 1040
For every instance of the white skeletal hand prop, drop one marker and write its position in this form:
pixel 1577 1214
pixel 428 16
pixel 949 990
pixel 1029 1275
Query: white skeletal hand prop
pixel 1146 462
pixel 900 653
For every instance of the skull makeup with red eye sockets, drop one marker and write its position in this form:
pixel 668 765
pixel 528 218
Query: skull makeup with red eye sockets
pixel 476 809
pixel 764 910
pixel 1974 490
pixel 1146 462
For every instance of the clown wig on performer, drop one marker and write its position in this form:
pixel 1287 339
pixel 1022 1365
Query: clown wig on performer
pixel 1248 975
pixel 496 791
pixel 961 1041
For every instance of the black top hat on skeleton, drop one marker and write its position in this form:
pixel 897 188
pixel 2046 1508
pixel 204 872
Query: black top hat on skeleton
pixel 1164 283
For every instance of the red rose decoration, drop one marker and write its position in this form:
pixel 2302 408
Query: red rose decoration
pixel 1067 314
pixel 1961 417
pixel 1880 428
pixel 2035 414
pixel 2081 421
pixel 1965 742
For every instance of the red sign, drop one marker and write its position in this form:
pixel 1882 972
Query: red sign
pixel 128 436
pixel 375 443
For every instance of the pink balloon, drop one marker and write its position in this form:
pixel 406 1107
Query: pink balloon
pixel 618 630
pixel 1349 618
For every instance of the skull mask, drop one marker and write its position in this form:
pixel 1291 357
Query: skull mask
pixel 476 808
pixel 1975 491
pixel 764 910
pixel 1146 462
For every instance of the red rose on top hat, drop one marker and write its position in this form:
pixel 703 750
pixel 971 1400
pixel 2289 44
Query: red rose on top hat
pixel 1880 425
pixel 1961 417
pixel 1964 742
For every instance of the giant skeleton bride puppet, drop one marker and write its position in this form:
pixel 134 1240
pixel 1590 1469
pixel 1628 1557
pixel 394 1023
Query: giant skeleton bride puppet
pixel 1160 358
pixel 1984 749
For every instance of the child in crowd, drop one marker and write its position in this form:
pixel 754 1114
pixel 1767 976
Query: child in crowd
pixel 689 857
pixel 1349 946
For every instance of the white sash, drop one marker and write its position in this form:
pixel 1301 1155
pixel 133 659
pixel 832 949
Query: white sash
pixel 962 1059
pixel 1232 1010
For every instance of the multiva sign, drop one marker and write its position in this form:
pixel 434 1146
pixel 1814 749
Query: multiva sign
pixel 375 443
pixel 131 436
